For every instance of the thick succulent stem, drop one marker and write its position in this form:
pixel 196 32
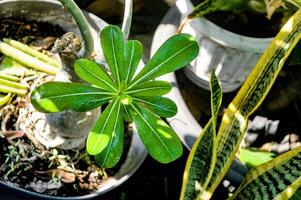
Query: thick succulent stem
pixel 127 18
pixel 83 25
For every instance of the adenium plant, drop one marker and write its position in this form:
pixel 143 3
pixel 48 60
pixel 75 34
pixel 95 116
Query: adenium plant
pixel 129 97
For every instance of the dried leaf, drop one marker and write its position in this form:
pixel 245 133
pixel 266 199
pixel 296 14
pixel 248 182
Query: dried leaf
pixel 272 6
pixel 10 135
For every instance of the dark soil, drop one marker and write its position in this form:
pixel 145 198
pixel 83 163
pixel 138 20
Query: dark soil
pixel 247 23
pixel 19 28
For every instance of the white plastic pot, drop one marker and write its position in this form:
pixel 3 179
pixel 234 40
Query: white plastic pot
pixel 233 56
pixel 53 12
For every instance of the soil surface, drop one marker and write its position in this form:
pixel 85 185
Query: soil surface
pixel 247 23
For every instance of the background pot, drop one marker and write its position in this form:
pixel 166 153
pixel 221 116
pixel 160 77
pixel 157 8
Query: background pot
pixel 185 125
pixel 231 55
pixel 52 11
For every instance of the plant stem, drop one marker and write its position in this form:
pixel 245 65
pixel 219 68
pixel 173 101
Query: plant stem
pixel 25 48
pixel 82 24
pixel 202 9
pixel 27 60
pixel 127 18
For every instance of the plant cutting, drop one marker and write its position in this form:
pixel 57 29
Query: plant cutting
pixel 133 98
pixel 44 171
pixel 213 154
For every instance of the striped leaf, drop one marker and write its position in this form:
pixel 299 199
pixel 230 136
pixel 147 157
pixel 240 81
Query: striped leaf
pixel 159 139
pixel 151 88
pixel 275 180
pixel 94 74
pixel 160 106
pixel 132 56
pixel 174 54
pixel 251 95
pixel 107 133
pixel 112 44
pixel 202 158
pixel 60 96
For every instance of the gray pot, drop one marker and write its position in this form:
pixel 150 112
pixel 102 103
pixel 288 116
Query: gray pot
pixel 53 12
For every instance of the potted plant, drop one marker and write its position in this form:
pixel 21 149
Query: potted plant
pixel 52 12
pixel 227 36
pixel 129 97
pixel 217 145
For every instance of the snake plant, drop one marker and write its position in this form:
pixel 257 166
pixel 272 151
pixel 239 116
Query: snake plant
pixel 212 155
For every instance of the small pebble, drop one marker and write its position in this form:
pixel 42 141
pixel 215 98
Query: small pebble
pixel 294 138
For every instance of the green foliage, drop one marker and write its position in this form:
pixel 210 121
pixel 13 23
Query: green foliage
pixel 277 179
pixel 138 99
pixel 254 157
pixel 201 160
pixel 257 6
pixel 260 182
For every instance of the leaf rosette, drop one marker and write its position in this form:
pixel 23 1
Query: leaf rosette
pixel 130 95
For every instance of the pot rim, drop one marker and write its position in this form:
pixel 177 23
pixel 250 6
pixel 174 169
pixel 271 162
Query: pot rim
pixel 220 35
pixel 112 182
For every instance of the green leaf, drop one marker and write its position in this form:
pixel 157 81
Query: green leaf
pixel 160 106
pixel 202 158
pixel 94 74
pixel 151 88
pixel 126 114
pixel 174 54
pixel 159 139
pixel 106 138
pixel 251 95
pixel 297 195
pixel 275 180
pixel 247 156
pixel 112 44
pixel 60 96
pixel 132 56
